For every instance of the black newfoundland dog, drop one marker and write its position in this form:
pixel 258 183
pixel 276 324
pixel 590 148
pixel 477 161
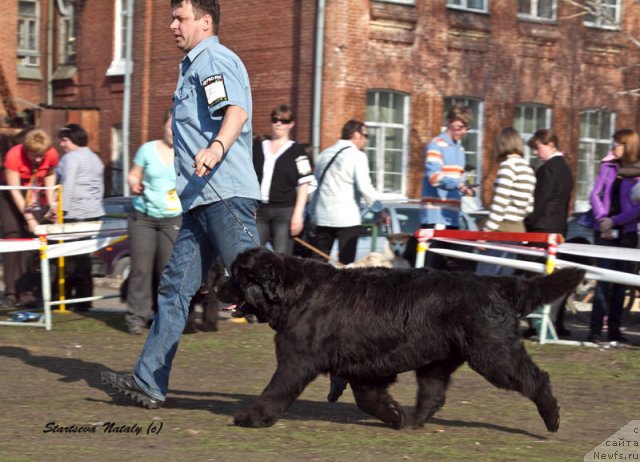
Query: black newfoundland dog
pixel 367 325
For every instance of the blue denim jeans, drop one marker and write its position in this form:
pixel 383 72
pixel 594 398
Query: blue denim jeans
pixel 207 231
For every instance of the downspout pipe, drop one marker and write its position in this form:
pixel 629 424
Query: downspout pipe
pixel 126 100
pixel 50 17
pixel 317 76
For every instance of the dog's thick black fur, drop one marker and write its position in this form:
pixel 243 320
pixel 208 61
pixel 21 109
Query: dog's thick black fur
pixel 367 325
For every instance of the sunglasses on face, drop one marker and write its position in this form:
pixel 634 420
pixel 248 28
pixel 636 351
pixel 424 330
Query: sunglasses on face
pixel 275 120
pixel 366 135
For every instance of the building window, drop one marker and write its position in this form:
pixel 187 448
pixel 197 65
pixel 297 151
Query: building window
pixel 596 129
pixel 604 14
pixel 537 9
pixel 471 5
pixel 67 32
pixel 387 122
pixel 117 165
pixel 28 33
pixel 402 2
pixel 528 119
pixel 119 39
pixel 472 141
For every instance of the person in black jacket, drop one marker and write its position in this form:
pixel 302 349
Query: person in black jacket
pixel 285 174
pixel 554 183
pixel 552 195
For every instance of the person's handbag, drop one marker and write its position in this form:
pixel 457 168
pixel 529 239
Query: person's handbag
pixel 310 224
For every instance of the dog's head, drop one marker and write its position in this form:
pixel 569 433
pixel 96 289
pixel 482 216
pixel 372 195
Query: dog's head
pixel 398 243
pixel 256 285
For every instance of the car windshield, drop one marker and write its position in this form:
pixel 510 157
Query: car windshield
pixel 408 219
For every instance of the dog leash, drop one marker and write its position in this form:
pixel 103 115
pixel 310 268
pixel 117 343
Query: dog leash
pixel 318 251
pixel 233 214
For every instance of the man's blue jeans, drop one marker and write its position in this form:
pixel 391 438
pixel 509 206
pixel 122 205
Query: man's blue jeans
pixel 206 232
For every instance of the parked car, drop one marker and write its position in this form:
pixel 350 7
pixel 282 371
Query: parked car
pixel 114 260
pixel 401 216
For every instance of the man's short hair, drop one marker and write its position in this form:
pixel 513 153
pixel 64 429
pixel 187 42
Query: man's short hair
pixel 37 141
pixel 202 7
pixel 75 133
pixel 351 127
pixel 460 112
pixel 543 136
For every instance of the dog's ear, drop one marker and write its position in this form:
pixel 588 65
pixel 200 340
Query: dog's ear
pixel 271 281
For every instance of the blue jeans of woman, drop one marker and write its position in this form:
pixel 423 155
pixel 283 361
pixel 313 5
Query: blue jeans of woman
pixel 207 231
pixel 609 297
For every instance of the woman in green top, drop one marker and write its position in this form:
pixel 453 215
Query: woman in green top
pixel 153 224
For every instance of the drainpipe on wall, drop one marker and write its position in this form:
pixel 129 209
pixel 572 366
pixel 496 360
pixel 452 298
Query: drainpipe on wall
pixel 317 77
pixel 126 100
pixel 50 16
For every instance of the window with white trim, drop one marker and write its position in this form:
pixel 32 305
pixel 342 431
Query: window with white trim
pixel 471 5
pixel 67 32
pixel 119 38
pixel 29 33
pixel 401 2
pixel 472 141
pixel 387 122
pixel 537 9
pixel 528 119
pixel 607 14
pixel 117 164
pixel 596 129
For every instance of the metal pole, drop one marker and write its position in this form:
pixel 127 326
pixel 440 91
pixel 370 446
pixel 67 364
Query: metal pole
pixel 126 101
pixel 317 79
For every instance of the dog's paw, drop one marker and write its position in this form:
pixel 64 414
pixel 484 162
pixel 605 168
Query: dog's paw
pixel 399 418
pixel 209 327
pixel 246 419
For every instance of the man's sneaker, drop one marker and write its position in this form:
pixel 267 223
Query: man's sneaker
pixel 126 384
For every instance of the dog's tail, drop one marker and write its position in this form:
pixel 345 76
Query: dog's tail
pixel 546 289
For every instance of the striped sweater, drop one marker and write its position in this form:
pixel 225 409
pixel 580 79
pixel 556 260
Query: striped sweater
pixel 513 193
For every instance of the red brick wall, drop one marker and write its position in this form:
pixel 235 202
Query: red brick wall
pixel 432 52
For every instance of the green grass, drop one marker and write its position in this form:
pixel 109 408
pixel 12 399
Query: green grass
pixel 53 376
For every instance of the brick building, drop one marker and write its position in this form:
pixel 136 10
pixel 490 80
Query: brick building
pixel 398 64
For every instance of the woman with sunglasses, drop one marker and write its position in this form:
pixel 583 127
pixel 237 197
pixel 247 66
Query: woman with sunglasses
pixel 284 172
pixel 616 225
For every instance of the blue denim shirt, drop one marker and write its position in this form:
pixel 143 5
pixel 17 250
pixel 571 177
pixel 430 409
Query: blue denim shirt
pixel 211 78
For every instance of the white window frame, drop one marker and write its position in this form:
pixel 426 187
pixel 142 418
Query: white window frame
pixel 117 65
pixel 477 127
pixel 464 5
pixel 66 32
pixel 588 157
pixel 599 22
pixel 377 129
pixel 117 158
pixel 526 135
pixel 401 2
pixel 534 11
pixel 29 54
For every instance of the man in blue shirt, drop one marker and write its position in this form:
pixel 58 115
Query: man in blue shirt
pixel 443 184
pixel 216 183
